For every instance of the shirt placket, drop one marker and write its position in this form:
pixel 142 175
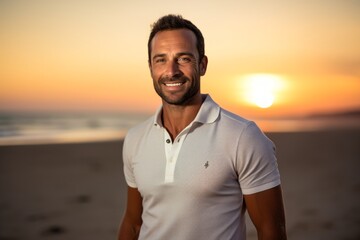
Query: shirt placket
pixel 172 150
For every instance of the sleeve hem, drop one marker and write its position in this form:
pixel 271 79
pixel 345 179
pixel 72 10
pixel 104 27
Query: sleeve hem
pixel 260 188
pixel 131 184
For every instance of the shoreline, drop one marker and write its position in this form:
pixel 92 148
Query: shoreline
pixel 64 138
pixel 111 135
pixel 90 130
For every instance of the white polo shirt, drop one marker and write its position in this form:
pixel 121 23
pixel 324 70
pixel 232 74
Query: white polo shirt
pixel 192 188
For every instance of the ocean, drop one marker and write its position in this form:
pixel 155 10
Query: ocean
pixel 41 128
pixel 48 128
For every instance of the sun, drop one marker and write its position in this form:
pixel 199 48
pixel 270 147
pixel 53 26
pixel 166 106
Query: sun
pixel 261 89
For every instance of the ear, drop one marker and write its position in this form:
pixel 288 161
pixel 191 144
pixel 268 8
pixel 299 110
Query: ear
pixel 203 65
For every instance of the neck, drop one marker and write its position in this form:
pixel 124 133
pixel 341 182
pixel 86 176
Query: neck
pixel 175 118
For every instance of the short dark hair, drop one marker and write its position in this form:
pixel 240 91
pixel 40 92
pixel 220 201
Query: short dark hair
pixel 172 22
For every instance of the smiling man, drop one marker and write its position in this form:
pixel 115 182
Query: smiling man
pixel 194 168
pixel 180 82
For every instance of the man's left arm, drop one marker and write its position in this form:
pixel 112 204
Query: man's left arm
pixel 266 210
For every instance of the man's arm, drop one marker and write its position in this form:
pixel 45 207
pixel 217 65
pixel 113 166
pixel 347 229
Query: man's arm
pixel 131 222
pixel 266 211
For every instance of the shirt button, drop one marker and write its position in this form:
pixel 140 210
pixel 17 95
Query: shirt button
pixel 167 140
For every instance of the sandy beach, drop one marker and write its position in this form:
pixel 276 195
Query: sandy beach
pixel 77 191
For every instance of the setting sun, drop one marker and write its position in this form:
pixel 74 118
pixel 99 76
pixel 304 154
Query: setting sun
pixel 74 56
pixel 261 89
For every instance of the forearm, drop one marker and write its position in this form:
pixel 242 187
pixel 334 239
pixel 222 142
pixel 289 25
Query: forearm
pixel 273 233
pixel 128 231
pixel 131 222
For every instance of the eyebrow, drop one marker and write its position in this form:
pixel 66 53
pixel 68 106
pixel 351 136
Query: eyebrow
pixel 185 53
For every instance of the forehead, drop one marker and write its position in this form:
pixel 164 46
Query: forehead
pixel 174 40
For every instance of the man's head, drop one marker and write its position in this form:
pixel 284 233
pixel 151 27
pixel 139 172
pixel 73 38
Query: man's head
pixel 173 22
pixel 175 62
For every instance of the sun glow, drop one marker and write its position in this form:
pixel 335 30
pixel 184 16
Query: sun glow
pixel 261 89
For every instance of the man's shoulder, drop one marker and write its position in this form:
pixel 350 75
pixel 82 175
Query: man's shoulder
pixel 235 124
pixel 140 128
pixel 232 118
pixel 225 116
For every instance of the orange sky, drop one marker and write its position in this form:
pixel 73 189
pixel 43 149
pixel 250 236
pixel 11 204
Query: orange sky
pixel 91 55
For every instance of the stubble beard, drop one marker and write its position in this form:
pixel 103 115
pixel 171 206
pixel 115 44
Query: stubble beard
pixel 181 100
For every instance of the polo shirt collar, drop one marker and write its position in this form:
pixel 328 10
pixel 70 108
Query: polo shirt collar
pixel 208 113
pixel 157 118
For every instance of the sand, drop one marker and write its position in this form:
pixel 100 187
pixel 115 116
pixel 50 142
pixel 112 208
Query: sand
pixel 77 191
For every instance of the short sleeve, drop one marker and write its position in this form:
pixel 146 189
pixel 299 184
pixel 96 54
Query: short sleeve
pixel 127 160
pixel 256 161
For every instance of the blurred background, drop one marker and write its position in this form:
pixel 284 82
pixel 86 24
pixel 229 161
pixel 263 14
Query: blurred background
pixel 75 72
pixel 65 62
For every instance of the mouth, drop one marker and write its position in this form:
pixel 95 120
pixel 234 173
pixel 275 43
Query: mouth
pixel 173 84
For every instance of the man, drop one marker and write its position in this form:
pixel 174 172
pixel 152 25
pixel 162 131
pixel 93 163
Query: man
pixel 194 168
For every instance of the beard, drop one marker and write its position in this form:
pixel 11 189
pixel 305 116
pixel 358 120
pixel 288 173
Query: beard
pixel 175 99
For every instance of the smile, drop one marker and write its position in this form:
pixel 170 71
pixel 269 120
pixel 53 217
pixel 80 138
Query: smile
pixel 173 84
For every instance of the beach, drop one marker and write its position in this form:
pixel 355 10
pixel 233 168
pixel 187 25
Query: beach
pixel 77 190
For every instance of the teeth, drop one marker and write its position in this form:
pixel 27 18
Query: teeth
pixel 173 84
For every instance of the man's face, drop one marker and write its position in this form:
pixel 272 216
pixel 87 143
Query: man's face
pixel 175 66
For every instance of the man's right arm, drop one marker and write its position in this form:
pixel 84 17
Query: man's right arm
pixel 131 222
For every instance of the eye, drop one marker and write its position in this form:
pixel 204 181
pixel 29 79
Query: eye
pixel 159 60
pixel 184 59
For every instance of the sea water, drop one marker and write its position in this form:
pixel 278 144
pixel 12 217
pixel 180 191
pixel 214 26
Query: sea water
pixel 47 128
pixel 40 128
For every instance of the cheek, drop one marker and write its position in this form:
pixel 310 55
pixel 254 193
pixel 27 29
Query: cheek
pixel 196 71
pixel 190 70
pixel 157 71
pixel 154 73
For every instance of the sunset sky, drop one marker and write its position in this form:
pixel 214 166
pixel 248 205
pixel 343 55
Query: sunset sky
pixel 87 55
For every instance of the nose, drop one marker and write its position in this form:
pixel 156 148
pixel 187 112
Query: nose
pixel 172 69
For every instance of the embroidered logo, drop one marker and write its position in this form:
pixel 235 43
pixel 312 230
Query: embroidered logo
pixel 206 165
